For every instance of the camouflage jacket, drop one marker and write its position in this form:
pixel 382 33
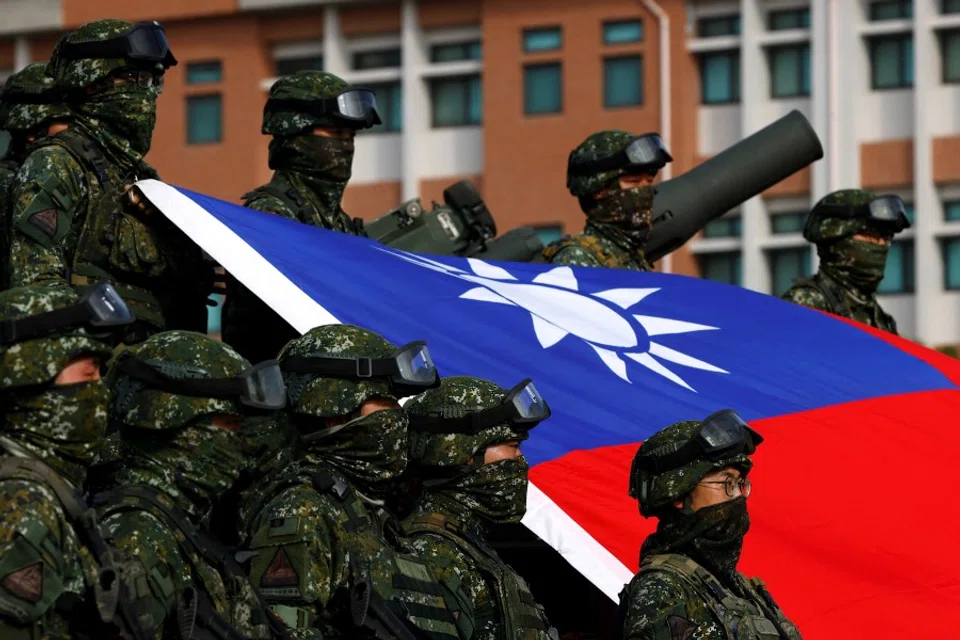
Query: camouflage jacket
pixel 594 248
pixel 504 608
pixel 72 223
pixel 8 171
pixel 826 294
pixel 318 544
pixel 674 598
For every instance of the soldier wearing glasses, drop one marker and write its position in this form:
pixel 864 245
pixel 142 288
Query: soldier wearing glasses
pixel 692 477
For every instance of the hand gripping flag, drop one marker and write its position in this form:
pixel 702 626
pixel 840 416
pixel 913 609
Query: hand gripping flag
pixel 853 509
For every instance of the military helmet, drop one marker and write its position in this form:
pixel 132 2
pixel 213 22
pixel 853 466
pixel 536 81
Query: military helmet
pixel 29 99
pixel 606 155
pixel 34 345
pixel 442 432
pixel 671 462
pixel 151 380
pixel 825 225
pixel 95 50
pixel 299 102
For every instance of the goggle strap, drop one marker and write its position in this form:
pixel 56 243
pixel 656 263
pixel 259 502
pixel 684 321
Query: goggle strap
pixel 341 367
pixel 221 388
pixel 19 329
pixel 470 423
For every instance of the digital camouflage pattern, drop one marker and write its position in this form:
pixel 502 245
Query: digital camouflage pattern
pixel 79 74
pixel 598 144
pixel 302 85
pixel 595 247
pixel 850 269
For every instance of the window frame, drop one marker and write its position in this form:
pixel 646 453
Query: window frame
pixel 798 48
pixel 193 64
pixel 637 57
pixel 465 79
pixel 729 18
pixel 806 257
pixel 614 23
pixel 543 65
pixel 942 36
pixel 871 10
pixel 384 127
pixel 909 276
pixel 944 243
pixel 531 30
pixel 795 11
pixel 736 254
pixel 191 99
pixel 901 39
pixel 731 53
pixel 359 53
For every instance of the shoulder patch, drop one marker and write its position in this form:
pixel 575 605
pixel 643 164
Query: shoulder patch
pixel 46 221
pixel 25 583
pixel 680 628
pixel 280 573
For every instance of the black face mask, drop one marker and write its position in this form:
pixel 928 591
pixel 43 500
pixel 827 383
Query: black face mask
pixel 329 159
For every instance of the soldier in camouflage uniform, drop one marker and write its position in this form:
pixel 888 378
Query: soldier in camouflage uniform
pixel 54 567
pixel 327 556
pixel 853 230
pixel 692 477
pixel 611 173
pixel 313 117
pixel 465 445
pixel 179 401
pixel 28 107
pixel 73 218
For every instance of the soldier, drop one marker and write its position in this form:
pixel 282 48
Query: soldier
pixel 611 173
pixel 313 118
pixel 465 445
pixel 73 219
pixel 692 477
pixel 29 107
pixel 180 400
pixel 853 230
pixel 57 578
pixel 327 555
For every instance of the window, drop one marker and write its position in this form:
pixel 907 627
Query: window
pixel 951 263
pixel 788 222
pixel 549 233
pixel 379 59
pixel 720 77
pixel 456 51
pixel 389 106
pixel 899 276
pixel 891 9
pixel 910 211
pixel 548 39
pixel 891 61
pixel 786 265
pixel 215 314
pixel 950 51
pixel 623 81
pixel 204 119
pixel 289 66
pixel 719 26
pixel 789 19
pixel 542 88
pixel 790 71
pixel 721 267
pixel 951 6
pixel 204 72
pixel 723 228
pixel 457 102
pixel 951 210
pixel 4 142
pixel 622 32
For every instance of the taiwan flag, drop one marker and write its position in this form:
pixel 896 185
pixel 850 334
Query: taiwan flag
pixel 854 523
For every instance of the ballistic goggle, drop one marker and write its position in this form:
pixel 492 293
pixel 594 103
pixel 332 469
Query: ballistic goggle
pixel 645 154
pixel 721 435
pixel 523 406
pixel 409 370
pixel 353 106
pixel 100 308
pixel 261 386
pixel 145 42
pixel 885 212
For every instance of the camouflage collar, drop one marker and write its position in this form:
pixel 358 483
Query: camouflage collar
pixel 633 255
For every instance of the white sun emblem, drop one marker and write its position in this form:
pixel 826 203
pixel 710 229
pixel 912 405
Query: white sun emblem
pixel 558 310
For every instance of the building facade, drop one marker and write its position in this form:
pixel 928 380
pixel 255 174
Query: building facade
pixel 499 92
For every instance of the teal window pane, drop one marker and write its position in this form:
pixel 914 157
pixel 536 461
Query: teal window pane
pixel 950 50
pixel 722 267
pixel 549 39
pixel 390 107
pixel 623 81
pixel 891 10
pixel 723 228
pixel 789 19
pixel 214 314
pixel 720 77
pixel 456 52
pixel 289 66
pixel 910 211
pixel 786 265
pixel 4 142
pixel 899 274
pixel 908 62
pixel 719 26
pixel 951 210
pixel 790 71
pixel 549 233
pixel 542 88
pixel 891 62
pixel 788 222
pixel 380 59
pixel 457 101
pixel 622 32
pixel 805 73
pixel 204 72
pixel 951 6
pixel 204 119
pixel 951 263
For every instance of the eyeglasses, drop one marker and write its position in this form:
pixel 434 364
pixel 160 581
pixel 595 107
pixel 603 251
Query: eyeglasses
pixel 731 484
pixel 144 79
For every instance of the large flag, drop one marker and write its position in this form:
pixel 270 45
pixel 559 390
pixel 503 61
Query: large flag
pixel 854 523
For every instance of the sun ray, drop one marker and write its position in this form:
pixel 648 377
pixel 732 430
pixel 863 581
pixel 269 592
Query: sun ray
pixel 482 294
pixel 655 326
pixel 656 366
pixel 548 333
pixel 487 270
pixel 624 298
pixel 560 277
pixel 613 361
pixel 422 261
pixel 666 353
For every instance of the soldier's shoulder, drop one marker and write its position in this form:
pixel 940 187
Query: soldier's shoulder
pixel 268 202
pixel 575 251
pixel 48 160
pixel 655 589
pixel 806 294
pixel 27 503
